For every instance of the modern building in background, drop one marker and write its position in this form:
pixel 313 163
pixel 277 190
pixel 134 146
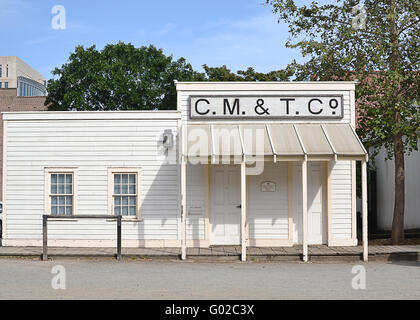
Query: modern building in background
pixel 16 74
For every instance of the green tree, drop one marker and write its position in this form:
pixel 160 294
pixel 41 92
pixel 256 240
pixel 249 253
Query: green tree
pixel 119 77
pixel 224 74
pixel 377 44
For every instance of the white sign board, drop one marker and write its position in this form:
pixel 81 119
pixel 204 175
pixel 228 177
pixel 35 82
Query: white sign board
pixel 268 186
pixel 266 107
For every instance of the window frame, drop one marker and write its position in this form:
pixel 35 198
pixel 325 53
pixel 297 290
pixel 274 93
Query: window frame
pixel 47 191
pixel 124 170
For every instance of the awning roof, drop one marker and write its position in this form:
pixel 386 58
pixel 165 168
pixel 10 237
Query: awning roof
pixel 279 140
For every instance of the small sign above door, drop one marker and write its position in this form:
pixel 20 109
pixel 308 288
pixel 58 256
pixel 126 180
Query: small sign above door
pixel 268 186
pixel 266 107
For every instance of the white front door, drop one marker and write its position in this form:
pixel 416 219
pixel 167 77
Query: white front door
pixel 225 212
pixel 316 203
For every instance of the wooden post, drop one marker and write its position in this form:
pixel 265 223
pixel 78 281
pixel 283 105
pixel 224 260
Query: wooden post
pixel 305 209
pixel 243 211
pixel 119 237
pixel 44 238
pixel 329 201
pixel 183 210
pixel 290 199
pixel 364 211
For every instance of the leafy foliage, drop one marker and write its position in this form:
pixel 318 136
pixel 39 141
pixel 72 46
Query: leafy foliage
pixel 119 77
pixel 224 74
pixel 383 56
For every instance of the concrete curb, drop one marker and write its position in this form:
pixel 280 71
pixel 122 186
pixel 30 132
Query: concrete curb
pixel 385 257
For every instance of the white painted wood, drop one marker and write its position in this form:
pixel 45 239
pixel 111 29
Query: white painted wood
pixel 244 236
pixel 96 141
pixel 341 202
pixel 317 227
pixel 305 210
pixel 4 179
pixel 268 211
pixel 93 115
pixel 225 215
pixel 196 201
pixel 266 86
pixel 183 210
pixel 385 172
pixel 92 146
pixel 364 211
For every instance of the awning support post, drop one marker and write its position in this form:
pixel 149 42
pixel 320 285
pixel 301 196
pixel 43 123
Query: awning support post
pixel 243 211
pixel 364 211
pixel 305 209
pixel 183 210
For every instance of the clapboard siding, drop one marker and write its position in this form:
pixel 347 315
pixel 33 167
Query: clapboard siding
pixel 92 146
pixel 268 211
pixel 341 199
pixel 196 201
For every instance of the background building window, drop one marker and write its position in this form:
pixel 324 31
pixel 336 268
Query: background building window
pixel 125 194
pixel 1 70
pixel 6 85
pixel 61 193
pixel 7 71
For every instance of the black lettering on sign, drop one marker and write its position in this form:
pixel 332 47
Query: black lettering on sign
pixel 259 108
pixel 310 106
pixel 196 107
pixel 333 104
pixel 287 103
pixel 226 105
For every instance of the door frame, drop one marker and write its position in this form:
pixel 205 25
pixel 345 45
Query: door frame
pixel 210 206
pixel 324 199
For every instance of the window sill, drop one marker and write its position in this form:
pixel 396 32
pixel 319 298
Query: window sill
pixel 61 219
pixel 126 220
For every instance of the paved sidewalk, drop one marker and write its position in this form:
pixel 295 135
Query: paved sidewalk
pixel 221 252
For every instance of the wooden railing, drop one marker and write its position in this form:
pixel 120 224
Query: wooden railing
pixel 46 217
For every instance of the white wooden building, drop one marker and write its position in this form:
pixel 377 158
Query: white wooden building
pixel 253 164
pixel 385 175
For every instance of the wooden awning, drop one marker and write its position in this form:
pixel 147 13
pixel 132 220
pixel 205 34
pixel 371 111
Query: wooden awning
pixel 272 141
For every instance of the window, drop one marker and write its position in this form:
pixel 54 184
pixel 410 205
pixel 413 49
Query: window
pixel 6 85
pixel 1 70
pixel 7 70
pixel 61 194
pixel 60 191
pixel 0 85
pixel 125 192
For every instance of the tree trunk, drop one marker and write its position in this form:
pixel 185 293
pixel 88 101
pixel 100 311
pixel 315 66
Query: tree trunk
pixel 399 199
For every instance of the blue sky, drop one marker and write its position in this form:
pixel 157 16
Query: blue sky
pixel 237 33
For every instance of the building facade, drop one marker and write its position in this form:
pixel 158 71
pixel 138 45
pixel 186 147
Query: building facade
pixel 16 74
pixel 11 102
pixel 249 164
pixel 385 174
